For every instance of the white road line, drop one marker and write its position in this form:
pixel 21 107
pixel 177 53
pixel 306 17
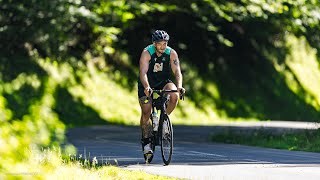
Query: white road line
pixel 253 160
pixel 217 155
pixel 206 154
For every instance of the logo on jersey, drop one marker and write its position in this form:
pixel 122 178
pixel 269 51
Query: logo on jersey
pixel 158 67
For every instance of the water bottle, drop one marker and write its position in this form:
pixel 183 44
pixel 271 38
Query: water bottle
pixel 155 121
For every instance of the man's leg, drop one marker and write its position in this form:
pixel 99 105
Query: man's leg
pixel 173 101
pixel 145 124
pixel 145 115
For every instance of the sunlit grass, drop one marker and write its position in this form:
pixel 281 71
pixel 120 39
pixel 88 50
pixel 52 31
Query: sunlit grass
pixel 303 73
pixel 113 102
pixel 52 164
pixel 106 172
pixel 116 104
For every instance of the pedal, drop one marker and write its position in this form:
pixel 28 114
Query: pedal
pixel 148 156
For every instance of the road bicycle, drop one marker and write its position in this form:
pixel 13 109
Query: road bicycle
pixel 163 135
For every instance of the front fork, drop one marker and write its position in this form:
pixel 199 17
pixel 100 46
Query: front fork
pixel 156 135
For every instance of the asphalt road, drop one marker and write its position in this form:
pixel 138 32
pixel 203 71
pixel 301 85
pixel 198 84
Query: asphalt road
pixel 195 157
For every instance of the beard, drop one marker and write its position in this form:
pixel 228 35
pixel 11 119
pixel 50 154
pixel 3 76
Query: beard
pixel 160 51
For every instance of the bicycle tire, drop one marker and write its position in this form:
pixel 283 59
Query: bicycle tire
pixel 166 141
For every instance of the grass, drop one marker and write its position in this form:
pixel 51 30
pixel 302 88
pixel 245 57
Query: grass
pixel 293 88
pixel 82 168
pixel 106 172
pixel 51 164
pixel 94 97
pixel 86 169
pixel 74 171
pixel 303 141
pixel 86 95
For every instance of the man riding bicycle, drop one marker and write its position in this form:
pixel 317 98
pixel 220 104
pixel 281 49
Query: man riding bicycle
pixel 157 61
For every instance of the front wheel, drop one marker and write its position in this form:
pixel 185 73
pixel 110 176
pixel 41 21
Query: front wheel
pixel 166 138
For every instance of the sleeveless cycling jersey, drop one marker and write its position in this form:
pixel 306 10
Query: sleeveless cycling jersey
pixel 159 67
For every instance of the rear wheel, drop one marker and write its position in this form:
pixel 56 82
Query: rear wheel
pixel 166 139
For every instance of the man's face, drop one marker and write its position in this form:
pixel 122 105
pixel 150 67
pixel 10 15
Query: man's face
pixel 161 46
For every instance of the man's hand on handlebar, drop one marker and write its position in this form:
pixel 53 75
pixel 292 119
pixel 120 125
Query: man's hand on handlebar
pixel 182 91
pixel 148 91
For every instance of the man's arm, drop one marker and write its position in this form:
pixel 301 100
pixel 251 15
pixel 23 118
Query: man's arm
pixel 175 66
pixel 144 66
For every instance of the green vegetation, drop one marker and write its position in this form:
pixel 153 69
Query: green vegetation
pixel 75 62
pixel 302 141
pixel 74 172
pixel 50 164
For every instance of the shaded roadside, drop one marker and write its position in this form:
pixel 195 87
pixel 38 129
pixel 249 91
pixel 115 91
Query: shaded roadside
pixel 189 133
pixel 203 133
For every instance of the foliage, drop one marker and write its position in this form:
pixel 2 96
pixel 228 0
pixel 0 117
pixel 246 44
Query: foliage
pixel 232 48
pixel 75 62
pixel 53 28
pixel 38 128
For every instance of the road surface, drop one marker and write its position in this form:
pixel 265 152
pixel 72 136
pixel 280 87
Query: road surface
pixel 195 157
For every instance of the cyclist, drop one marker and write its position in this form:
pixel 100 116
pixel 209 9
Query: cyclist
pixel 156 63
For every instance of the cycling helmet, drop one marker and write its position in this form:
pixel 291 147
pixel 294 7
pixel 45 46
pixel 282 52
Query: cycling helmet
pixel 160 35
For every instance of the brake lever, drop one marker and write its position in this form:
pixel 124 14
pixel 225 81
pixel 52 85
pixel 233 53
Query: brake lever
pixel 181 96
pixel 150 92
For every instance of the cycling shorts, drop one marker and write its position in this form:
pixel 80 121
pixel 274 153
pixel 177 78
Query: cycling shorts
pixel 157 86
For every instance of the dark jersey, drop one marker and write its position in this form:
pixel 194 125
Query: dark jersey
pixel 159 67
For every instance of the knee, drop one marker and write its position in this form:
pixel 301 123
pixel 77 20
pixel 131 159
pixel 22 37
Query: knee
pixel 174 97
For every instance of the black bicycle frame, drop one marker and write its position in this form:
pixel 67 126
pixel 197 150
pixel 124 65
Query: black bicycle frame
pixel 160 103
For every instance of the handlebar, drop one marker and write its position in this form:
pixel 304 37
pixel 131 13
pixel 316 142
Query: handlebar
pixel 161 91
